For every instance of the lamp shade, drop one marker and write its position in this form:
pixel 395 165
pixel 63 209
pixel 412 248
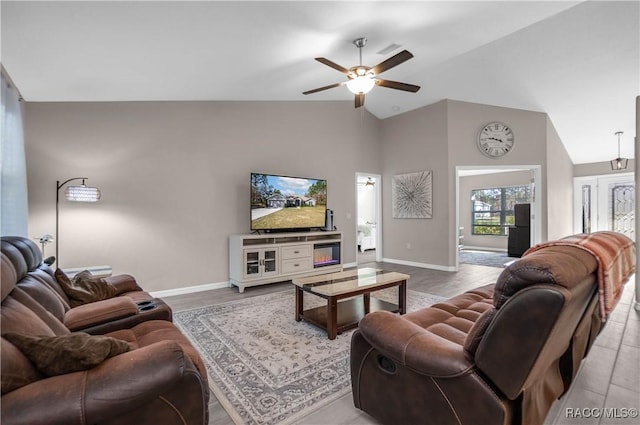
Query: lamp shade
pixel 619 164
pixel 361 84
pixel 82 193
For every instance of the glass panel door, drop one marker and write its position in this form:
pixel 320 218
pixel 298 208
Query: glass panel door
pixel 252 259
pixel 586 208
pixel 270 261
pixel 605 203
pixel 621 209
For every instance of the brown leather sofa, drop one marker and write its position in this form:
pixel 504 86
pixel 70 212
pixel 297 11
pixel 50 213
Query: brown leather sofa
pixel 130 307
pixel 498 354
pixel 161 380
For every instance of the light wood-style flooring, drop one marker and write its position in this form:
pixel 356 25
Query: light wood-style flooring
pixel 610 377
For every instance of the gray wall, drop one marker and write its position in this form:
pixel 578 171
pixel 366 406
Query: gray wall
pixel 411 142
pixel 465 120
pixel 175 177
pixel 441 137
pixel 600 168
pixel 559 173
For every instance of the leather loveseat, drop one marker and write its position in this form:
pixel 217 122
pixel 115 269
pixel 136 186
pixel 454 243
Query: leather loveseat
pixel 160 379
pixel 498 354
pixel 129 307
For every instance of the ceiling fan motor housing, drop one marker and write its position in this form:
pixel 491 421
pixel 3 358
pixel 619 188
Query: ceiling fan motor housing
pixel 360 42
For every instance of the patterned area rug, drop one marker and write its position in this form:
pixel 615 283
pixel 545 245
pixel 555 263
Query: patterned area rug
pixel 485 258
pixel 266 368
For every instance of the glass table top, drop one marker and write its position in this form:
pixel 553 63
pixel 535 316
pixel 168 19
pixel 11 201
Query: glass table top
pixel 348 281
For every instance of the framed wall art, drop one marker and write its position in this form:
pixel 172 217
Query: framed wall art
pixel 412 195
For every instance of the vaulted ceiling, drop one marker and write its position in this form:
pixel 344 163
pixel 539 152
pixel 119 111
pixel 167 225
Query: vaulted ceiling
pixel 577 61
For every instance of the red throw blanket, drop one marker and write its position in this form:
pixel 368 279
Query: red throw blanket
pixel 616 257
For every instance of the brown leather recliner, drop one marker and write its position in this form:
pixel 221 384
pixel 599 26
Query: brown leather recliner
pixel 499 354
pixel 131 306
pixel 161 380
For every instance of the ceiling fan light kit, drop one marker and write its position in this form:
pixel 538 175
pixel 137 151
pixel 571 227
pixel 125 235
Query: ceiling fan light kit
pixel 361 84
pixel 361 78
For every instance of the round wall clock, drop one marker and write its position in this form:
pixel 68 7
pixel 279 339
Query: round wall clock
pixel 495 140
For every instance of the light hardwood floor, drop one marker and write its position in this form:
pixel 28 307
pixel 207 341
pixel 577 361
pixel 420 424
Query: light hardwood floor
pixel 610 377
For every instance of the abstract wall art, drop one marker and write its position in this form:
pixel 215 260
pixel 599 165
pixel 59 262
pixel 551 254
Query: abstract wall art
pixel 412 195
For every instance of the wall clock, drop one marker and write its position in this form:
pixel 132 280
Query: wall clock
pixel 495 140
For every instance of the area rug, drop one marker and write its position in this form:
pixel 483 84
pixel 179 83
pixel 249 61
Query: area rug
pixel 266 368
pixel 485 258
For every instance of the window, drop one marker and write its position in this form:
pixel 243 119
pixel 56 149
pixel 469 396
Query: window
pixel 13 187
pixel 492 209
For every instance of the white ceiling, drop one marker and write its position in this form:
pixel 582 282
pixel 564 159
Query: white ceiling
pixel 578 62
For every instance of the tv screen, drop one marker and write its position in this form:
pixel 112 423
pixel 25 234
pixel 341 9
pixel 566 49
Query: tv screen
pixel 280 203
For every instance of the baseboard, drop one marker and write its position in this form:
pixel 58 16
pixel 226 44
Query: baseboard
pixel 189 289
pixel 421 265
pixel 220 285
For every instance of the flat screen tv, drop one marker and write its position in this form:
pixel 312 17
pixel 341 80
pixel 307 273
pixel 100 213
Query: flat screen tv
pixel 284 203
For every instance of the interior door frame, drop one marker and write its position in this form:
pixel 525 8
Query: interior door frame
pixel 598 205
pixel 536 207
pixel 377 190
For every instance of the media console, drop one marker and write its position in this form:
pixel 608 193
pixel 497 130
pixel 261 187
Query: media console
pixel 276 257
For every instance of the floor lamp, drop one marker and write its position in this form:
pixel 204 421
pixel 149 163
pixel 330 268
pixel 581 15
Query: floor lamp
pixel 80 193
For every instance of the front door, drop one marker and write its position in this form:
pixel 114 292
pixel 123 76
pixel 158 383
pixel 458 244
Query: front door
pixel 605 203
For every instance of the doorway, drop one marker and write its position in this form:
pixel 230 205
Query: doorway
pixel 368 218
pixel 533 173
pixel 605 202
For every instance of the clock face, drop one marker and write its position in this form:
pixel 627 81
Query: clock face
pixel 495 140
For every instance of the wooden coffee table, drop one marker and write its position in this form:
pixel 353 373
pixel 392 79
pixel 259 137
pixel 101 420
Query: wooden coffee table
pixel 338 316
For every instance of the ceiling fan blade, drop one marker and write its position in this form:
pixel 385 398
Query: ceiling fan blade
pixel 395 60
pixel 398 86
pixel 359 100
pixel 333 65
pixel 330 86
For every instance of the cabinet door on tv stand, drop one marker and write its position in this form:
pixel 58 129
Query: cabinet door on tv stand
pixel 251 263
pixel 260 262
pixel 270 262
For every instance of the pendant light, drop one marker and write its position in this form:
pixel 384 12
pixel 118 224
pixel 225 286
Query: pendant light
pixel 619 163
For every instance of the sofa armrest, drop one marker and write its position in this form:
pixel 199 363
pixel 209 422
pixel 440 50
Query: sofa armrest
pixel 116 386
pixel 99 312
pixel 412 346
pixel 123 283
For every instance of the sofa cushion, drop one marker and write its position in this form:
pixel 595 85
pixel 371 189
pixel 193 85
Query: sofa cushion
pixel 29 251
pixel 68 353
pixel 84 287
pixel 560 265
pixel 476 333
pixel 8 276
pixel 452 319
pixel 152 331
pixel 13 259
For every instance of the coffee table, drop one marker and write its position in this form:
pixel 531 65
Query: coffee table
pixel 338 316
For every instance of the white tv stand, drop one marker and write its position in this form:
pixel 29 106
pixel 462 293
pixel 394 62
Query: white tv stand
pixel 276 257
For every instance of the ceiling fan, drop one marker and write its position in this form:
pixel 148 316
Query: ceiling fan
pixel 361 78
